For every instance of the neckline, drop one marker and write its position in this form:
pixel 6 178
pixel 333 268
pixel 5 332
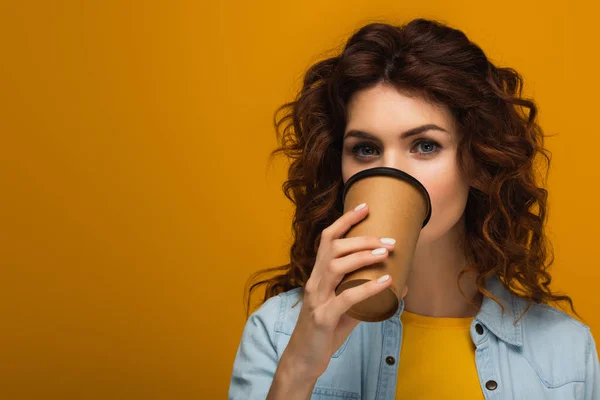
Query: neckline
pixel 426 321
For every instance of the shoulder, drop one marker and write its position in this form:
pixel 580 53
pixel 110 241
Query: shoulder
pixel 279 313
pixel 542 321
pixel 260 348
pixel 554 341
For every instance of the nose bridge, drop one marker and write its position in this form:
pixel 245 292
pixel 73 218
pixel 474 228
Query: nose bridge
pixel 394 158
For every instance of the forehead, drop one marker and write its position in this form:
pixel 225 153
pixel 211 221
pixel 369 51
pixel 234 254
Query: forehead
pixel 382 108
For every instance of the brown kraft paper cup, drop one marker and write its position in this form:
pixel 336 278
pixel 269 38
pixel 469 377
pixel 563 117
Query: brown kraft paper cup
pixel 399 207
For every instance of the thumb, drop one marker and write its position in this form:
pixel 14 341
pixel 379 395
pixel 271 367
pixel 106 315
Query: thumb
pixel 347 324
pixel 405 291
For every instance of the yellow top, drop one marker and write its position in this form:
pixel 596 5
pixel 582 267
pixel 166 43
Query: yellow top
pixel 437 359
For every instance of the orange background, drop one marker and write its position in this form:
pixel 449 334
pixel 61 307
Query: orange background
pixel 136 195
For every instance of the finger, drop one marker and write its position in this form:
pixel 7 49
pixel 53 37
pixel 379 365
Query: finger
pixel 345 246
pixel 341 225
pixel 347 324
pixel 405 291
pixel 334 231
pixel 350 297
pixel 337 268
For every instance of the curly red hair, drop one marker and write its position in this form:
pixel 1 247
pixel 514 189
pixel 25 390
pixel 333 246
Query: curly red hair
pixel 506 208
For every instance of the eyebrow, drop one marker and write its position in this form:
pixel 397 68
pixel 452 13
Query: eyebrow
pixel 411 132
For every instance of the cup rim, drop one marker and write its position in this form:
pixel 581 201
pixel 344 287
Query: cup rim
pixel 393 172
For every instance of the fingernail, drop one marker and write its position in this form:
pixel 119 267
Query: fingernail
pixel 383 279
pixel 379 251
pixel 360 207
pixel 388 240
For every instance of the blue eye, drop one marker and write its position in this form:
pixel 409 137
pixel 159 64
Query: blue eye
pixel 430 144
pixel 430 147
pixel 356 149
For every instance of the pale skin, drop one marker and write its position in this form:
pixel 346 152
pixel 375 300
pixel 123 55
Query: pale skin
pixel 322 325
pixel 386 113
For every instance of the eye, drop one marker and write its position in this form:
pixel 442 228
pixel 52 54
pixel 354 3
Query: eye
pixel 370 150
pixel 428 148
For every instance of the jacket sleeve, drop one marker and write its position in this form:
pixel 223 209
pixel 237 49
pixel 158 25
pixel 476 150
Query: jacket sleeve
pixel 592 375
pixel 256 358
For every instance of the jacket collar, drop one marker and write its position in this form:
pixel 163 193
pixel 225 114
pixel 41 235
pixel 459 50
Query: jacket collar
pixel 500 323
pixel 490 313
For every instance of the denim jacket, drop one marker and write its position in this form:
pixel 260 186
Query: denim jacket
pixel 546 355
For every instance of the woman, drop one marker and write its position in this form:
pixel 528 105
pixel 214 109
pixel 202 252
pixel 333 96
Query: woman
pixel 475 321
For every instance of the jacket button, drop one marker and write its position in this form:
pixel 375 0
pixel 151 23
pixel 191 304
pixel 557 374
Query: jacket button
pixel 491 385
pixel 479 329
pixel 390 360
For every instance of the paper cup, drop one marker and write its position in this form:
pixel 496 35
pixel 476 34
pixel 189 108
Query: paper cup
pixel 399 207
